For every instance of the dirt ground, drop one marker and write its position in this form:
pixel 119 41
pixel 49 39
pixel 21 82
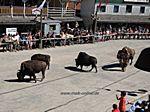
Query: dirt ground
pixel 65 88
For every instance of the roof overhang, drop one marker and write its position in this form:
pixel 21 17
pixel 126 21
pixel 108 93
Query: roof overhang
pixel 67 19
pixel 16 21
pixel 123 18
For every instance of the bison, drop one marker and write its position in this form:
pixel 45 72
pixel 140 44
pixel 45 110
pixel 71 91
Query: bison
pixel 42 57
pixel 84 59
pixel 31 67
pixel 124 56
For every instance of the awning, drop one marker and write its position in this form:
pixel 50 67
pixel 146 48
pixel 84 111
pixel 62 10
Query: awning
pixel 16 21
pixel 67 19
pixel 123 18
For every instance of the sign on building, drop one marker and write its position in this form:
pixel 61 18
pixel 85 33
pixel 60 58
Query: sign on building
pixel 11 31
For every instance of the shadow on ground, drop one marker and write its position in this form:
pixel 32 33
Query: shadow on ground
pixel 112 67
pixel 25 80
pixel 72 68
pixel 135 93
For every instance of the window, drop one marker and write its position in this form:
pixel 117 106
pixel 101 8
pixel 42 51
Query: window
pixel 142 10
pixel 52 27
pixel 129 9
pixel 103 9
pixel 116 9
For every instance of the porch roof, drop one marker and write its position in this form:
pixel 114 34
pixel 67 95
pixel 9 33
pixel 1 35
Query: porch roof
pixel 67 19
pixel 7 20
pixel 124 18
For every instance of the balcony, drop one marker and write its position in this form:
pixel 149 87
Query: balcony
pixel 61 12
pixel 18 11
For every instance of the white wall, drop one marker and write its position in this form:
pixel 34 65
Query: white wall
pixel 122 9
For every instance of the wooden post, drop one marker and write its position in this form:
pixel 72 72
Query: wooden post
pixel 41 28
pixel 11 10
pixel 95 24
pixel 24 9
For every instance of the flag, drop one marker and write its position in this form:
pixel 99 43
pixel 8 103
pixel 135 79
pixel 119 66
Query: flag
pixel 41 6
pixel 37 10
pixel 100 3
pixel 107 2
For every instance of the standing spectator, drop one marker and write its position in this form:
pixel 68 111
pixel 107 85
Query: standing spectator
pixel 63 37
pixel 38 36
pixel 29 38
pixel 115 108
pixel 16 41
pixel 122 101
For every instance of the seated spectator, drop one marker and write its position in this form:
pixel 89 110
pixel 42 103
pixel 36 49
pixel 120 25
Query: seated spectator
pixel 134 106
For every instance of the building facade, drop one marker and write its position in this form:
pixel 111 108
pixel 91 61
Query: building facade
pixel 16 13
pixel 117 11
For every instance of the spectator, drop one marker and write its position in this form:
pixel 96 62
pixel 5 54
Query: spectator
pixel 134 106
pixel 17 37
pixel 63 37
pixel 29 38
pixel 122 101
pixel 23 41
pixel 115 108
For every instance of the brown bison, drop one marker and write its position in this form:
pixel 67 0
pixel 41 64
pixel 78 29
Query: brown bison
pixel 124 56
pixel 42 57
pixel 84 59
pixel 31 67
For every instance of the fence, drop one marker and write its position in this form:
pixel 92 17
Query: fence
pixel 60 12
pixel 43 43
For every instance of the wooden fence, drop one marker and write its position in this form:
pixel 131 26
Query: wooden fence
pixel 80 39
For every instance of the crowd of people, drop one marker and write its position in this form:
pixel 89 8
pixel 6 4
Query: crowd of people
pixel 67 35
pixel 138 106
pixel 122 28
pixel 18 41
pixel 27 41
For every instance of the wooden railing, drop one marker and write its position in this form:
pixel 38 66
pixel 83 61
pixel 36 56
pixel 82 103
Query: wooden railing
pixel 61 12
pixel 18 11
pixel 51 11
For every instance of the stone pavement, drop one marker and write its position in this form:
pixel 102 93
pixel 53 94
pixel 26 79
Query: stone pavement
pixel 65 89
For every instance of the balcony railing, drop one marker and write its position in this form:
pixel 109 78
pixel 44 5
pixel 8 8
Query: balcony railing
pixel 51 11
pixel 60 12
pixel 19 11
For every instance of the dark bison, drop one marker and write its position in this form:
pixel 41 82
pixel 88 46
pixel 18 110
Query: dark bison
pixel 84 59
pixel 42 57
pixel 124 56
pixel 31 67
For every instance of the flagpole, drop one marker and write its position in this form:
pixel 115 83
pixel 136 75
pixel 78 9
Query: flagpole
pixel 95 18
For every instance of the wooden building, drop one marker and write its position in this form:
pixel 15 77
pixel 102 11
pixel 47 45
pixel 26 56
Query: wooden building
pixel 116 12
pixel 19 13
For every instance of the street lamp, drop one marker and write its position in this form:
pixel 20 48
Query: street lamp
pixel 24 8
